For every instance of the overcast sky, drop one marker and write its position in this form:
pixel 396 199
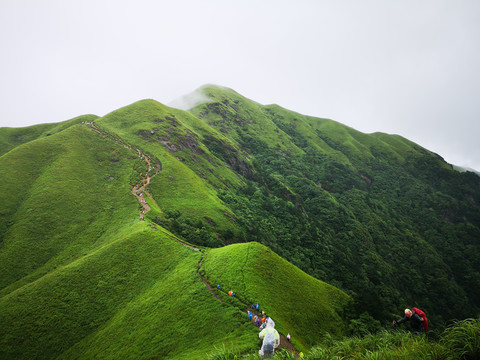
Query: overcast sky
pixel 403 67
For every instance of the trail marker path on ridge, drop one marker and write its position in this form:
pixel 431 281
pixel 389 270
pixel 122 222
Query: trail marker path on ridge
pixel 145 180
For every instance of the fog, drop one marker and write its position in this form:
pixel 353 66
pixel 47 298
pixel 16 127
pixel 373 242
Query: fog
pixel 190 100
pixel 402 67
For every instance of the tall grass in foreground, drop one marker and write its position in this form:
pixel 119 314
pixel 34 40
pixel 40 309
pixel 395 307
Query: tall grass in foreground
pixel 232 352
pixel 460 341
pixel 383 345
pixel 463 339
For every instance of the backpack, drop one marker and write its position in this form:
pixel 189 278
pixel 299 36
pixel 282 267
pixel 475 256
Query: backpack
pixel 268 349
pixel 269 342
pixel 422 315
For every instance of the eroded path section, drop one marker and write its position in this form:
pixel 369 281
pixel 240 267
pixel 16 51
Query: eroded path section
pixel 153 167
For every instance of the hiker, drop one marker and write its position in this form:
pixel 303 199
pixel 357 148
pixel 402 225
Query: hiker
pixel 271 340
pixel 288 336
pixel 256 306
pixel 250 315
pixel 230 293
pixel 423 316
pixel 416 321
pixel 218 286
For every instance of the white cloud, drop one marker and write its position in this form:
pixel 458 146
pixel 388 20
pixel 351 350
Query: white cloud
pixel 191 100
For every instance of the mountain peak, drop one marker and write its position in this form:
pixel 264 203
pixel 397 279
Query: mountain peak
pixel 202 95
pixel 190 100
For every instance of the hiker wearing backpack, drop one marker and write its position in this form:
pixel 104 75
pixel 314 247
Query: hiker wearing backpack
pixel 271 340
pixel 417 318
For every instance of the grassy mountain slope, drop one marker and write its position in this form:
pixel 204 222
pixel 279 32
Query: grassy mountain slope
pixel 367 212
pixel 238 117
pixel 190 172
pixel 136 297
pixel 83 277
pixel 300 304
pixel 12 137
pixel 66 193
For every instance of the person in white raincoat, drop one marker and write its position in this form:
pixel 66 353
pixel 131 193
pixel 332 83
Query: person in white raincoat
pixel 271 340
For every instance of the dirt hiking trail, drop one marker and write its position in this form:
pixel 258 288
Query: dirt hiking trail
pixel 139 192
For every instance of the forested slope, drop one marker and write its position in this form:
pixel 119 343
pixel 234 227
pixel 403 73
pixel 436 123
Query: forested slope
pixel 374 214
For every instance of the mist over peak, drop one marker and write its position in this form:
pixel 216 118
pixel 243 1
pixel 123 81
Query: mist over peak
pixel 191 100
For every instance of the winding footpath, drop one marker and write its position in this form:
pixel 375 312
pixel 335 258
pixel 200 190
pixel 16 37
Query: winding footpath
pixel 139 192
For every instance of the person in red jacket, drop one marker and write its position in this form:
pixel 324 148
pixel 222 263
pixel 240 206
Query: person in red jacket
pixel 416 321
pixel 423 316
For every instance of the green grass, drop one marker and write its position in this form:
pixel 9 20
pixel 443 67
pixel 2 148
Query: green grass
pixel 299 304
pixel 341 142
pixel 460 341
pixel 13 137
pixel 93 280
pixel 65 197
pixel 137 297
pixel 236 117
pixel 83 277
pixel 463 339
pixel 188 179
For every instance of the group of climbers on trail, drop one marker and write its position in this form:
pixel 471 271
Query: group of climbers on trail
pixel 230 292
pixel 258 320
pixel 270 336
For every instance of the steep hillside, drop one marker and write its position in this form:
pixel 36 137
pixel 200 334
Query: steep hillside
pixel 239 118
pixel 84 277
pixel 191 174
pixel 96 215
pixel 370 213
pixel 65 194
pixel 138 297
pixel 12 137
pixel 300 304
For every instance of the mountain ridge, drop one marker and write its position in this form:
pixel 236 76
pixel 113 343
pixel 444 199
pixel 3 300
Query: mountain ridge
pixel 365 213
